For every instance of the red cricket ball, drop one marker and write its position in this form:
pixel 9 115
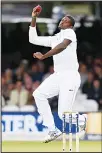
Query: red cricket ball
pixel 38 8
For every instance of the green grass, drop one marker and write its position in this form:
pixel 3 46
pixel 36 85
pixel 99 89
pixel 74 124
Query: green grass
pixel 55 146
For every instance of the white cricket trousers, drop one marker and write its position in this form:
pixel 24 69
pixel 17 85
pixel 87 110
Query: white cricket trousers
pixel 65 84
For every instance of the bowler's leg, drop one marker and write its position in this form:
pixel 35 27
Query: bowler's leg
pixel 48 88
pixel 68 90
pixel 67 94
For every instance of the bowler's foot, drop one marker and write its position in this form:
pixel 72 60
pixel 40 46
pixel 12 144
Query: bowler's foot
pixel 52 135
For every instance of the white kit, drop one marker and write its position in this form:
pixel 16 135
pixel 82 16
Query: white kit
pixel 65 80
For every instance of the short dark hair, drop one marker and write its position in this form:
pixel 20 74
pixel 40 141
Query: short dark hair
pixel 72 20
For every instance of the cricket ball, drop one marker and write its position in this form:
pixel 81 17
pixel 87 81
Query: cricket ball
pixel 38 8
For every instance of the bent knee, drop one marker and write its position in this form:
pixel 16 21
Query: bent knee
pixel 39 95
pixel 36 93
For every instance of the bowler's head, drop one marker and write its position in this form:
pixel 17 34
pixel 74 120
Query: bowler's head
pixel 67 22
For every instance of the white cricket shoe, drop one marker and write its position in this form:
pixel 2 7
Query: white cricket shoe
pixel 82 128
pixel 52 135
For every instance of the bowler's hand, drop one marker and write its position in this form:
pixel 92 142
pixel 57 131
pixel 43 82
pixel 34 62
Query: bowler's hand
pixel 36 11
pixel 38 55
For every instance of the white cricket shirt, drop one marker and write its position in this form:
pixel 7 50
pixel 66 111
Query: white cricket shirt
pixel 65 60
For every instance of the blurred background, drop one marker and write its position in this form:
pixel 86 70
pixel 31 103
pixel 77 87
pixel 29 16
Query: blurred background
pixel 22 74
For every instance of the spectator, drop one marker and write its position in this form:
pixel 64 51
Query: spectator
pixel 19 96
pixel 36 85
pixel 31 100
pixel 28 82
pixel 33 72
pixel 10 87
pixel 41 68
pixel 29 86
pixel 36 76
pixel 7 84
pixel 83 73
pixel 98 72
pixel 97 61
pixel 87 86
pixel 50 71
pixel 8 75
pixel 24 64
pixel 19 74
pixel 96 92
pixel 4 86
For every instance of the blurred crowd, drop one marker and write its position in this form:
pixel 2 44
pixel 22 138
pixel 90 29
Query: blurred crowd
pixel 21 77
pixel 91 79
pixel 18 84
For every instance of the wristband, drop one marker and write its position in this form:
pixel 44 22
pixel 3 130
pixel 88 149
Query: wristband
pixel 33 17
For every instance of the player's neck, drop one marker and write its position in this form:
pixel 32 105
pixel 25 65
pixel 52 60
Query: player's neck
pixel 66 28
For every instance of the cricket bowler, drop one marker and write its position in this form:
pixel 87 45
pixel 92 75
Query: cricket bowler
pixel 65 81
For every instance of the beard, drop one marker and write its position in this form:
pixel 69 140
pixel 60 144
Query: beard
pixel 59 27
